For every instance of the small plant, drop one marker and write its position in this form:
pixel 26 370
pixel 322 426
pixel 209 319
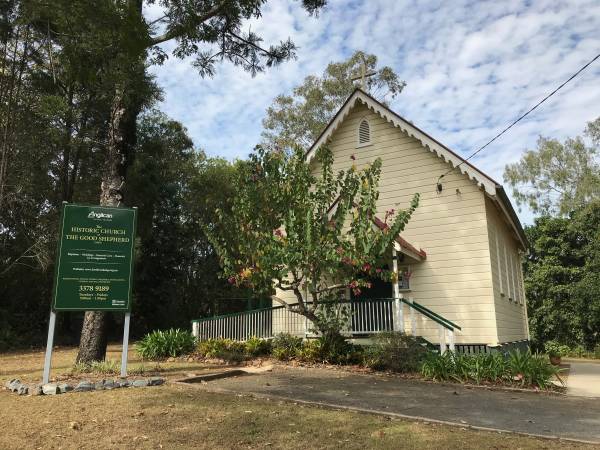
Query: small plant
pixel 164 344
pixel 285 346
pixel 105 367
pixel 311 351
pixel 226 349
pixel 257 347
pixel 439 367
pixel 516 367
pixel 555 349
pixel 394 351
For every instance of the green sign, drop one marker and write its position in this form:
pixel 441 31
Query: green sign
pixel 95 259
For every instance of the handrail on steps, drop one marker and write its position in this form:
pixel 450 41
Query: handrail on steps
pixel 428 312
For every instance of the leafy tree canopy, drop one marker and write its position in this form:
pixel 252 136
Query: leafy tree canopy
pixel 558 177
pixel 298 119
pixel 562 277
pixel 309 234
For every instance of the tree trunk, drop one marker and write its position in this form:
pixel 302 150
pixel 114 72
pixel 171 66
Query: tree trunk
pixel 92 346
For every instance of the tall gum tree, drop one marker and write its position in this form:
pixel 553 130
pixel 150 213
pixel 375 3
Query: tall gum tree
pixel 113 43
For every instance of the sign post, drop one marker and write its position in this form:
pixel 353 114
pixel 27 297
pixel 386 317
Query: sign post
pixel 94 267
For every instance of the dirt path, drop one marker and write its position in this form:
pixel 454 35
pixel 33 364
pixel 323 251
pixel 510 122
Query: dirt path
pixel 540 414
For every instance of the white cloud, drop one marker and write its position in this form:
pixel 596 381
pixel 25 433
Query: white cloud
pixel 471 68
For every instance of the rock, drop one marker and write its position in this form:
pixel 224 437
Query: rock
pixel 14 385
pixel 110 384
pixel 99 386
pixel 75 426
pixel 156 381
pixel 64 387
pixel 140 383
pixel 124 383
pixel 23 390
pixel 35 389
pixel 84 386
pixel 50 389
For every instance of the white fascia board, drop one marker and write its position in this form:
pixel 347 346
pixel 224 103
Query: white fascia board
pixel 426 141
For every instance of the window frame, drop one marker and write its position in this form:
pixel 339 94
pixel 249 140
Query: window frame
pixel 370 141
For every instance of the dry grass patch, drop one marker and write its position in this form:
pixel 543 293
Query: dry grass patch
pixel 179 417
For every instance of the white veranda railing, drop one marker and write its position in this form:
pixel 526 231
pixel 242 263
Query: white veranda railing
pixel 365 317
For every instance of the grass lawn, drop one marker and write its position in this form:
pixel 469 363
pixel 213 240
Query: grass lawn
pixel 174 416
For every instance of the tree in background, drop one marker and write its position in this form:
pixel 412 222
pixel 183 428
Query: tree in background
pixel 176 187
pixel 558 178
pixel 309 235
pixel 110 44
pixel 562 278
pixel 298 119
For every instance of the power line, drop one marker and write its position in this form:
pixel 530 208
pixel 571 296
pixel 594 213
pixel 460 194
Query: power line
pixel 522 116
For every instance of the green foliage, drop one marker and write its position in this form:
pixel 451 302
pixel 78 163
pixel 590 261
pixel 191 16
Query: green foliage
pixel 281 231
pixel 226 349
pixel 562 278
pixel 176 186
pixel 396 352
pixel 163 344
pixel 529 369
pixel 558 177
pixel 298 119
pixel 105 367
pixel 74 79
pixel 522 368
pixel 285 346
pixel 257 347
pixel 555 349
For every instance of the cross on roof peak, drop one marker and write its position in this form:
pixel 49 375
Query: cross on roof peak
pixel 363 76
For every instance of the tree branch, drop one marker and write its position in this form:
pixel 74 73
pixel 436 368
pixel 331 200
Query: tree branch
pixel 180 31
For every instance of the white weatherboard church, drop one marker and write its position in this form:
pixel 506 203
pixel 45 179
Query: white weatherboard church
pixel 458 260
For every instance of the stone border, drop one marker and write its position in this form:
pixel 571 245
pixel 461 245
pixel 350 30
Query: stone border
pixel 15 385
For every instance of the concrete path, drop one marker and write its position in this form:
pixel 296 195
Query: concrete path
pixel 584 379
pixel 541 414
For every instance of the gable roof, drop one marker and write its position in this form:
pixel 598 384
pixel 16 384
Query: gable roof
pixel 491 187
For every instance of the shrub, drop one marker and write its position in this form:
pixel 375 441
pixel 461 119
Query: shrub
pixel 394 351
pixel 257 347
pixel 578 351
pixel 555 349
pixel 163 344
pixel 232 351
pixel 285 346
pixel 440 367
pixel 311 350
pixel 597 351
pixel 523 368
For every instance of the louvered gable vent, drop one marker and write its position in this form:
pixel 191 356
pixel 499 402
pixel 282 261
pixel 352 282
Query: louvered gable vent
pixel 364 133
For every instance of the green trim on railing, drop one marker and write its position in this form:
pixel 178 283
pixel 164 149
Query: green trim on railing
pixel 417 306
pixel 421 308
pixel 437 319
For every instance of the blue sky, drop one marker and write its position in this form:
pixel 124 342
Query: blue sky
pixel 470 69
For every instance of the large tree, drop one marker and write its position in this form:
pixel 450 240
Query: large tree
pixel 110 44
pixel 562 279
pixel 298 119
pixel 311 235
pixel 558 177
